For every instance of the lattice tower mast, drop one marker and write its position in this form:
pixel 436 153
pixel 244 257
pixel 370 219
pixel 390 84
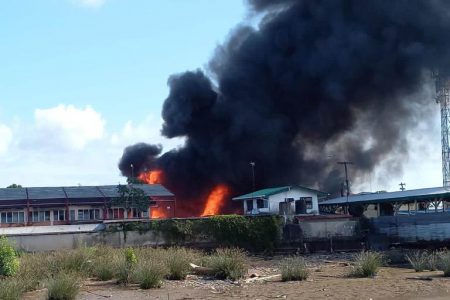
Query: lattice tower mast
pixel 443 98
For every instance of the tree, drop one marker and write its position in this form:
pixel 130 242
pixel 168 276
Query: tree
pixel 131 197
pixel 14 186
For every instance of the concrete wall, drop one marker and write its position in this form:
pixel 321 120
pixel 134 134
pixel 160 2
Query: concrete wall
pixel 329 228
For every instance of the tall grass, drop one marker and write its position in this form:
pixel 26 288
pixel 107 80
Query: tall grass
pixel 149 275
pixel 444 263
pixel 294 269
pixel 419 260
pixel 228 263
pixel 366 264
pixel 11 289
pixel 177 261
pixel 63 286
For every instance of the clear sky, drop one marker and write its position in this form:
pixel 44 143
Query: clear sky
pixel 82 79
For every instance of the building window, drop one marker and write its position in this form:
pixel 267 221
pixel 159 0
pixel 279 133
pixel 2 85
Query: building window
pixel 59 215
pixel 262 203
pixel 12 217
pixel 249 205
pixel 88 214
pixel 308 201
pixel 40 216
pixel 134 213
pixel 72 215
pixel 115 213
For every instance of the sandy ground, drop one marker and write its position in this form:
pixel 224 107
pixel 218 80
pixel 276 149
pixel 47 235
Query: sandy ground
pixel 328 280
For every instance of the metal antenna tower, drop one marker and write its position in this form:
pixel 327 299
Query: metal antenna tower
pixel 443 98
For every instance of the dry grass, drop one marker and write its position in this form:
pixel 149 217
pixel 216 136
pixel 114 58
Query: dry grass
pixel 294 269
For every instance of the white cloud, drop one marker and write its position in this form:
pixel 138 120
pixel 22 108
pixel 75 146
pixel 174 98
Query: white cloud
pixel 5 138
pixel 68 126
pixel 91 3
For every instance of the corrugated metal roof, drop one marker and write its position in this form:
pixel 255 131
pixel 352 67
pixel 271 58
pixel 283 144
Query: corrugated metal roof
pixel 83 192
pixel 76 192
pixel 46 193
pixel 272 191
pixel 400 196
pixel 13 194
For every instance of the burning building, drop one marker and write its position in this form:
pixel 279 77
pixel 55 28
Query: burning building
pixel 314 78
pixel 77 204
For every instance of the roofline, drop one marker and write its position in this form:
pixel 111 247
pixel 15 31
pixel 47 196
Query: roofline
pixel 404 199
pixel 67 197
pixel 282 190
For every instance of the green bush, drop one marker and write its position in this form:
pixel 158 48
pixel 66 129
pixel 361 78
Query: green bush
pixel 433 260
pixel 104 268
pixel 177 262
pixel 419 260
pixel 10 289
pixel 149 275
pixel 294 268
pixel 63 286
pixel 366 264
pixel 227 263
pixel 9 263
pixel 260 233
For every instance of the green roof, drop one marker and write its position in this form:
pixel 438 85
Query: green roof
pixel 272 191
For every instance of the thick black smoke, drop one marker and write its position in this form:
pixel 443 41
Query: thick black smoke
pixel 316 78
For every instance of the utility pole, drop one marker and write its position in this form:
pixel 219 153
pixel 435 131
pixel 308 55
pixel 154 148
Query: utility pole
pixel 402 186
pixel 252 164
pixel 346 163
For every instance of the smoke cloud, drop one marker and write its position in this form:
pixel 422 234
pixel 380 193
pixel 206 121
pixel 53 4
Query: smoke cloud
pixel 315 79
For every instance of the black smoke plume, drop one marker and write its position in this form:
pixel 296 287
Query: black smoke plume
pixel 316 78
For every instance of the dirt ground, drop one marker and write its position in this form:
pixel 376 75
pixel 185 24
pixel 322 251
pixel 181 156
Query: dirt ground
pixel 327 280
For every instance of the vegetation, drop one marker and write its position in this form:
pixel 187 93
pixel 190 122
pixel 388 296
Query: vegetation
pixel 64 286
pixel 228 263
pixel 149 275
pixel 177 261
pixel 10 289
pixel 131 197
pixel 14 186
pixel 294 269
pixel 419 260
pixel 444 263
pixel 9 262
pixel 366 264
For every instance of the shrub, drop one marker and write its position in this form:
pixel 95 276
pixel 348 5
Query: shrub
pixel 227 264
pixel 366 264
pixel 294 268
pixel 444 263
pixel 63 286
pixel 33 270
pixel 177 262
pixel 105 263
pixel 149 275
pixel 433 260
pixel 9 263
pixel 419 260
pixel 126 266
pixel 104 268
pixel 10 289
pixel 78 260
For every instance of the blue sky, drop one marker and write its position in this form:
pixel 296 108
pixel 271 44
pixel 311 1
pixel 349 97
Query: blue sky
pixel 82 79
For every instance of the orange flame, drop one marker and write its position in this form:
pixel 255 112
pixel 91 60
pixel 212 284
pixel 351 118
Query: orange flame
pixel 215 200
pixel 158 212
pixel 152 177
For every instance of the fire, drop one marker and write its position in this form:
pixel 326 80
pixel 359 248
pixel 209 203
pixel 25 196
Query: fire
pixel 152 177
pixel 158 212
pixel 216 200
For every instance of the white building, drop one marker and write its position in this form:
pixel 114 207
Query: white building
pixel 285 200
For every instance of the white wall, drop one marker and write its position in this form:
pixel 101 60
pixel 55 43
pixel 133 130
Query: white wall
pixel 275 200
